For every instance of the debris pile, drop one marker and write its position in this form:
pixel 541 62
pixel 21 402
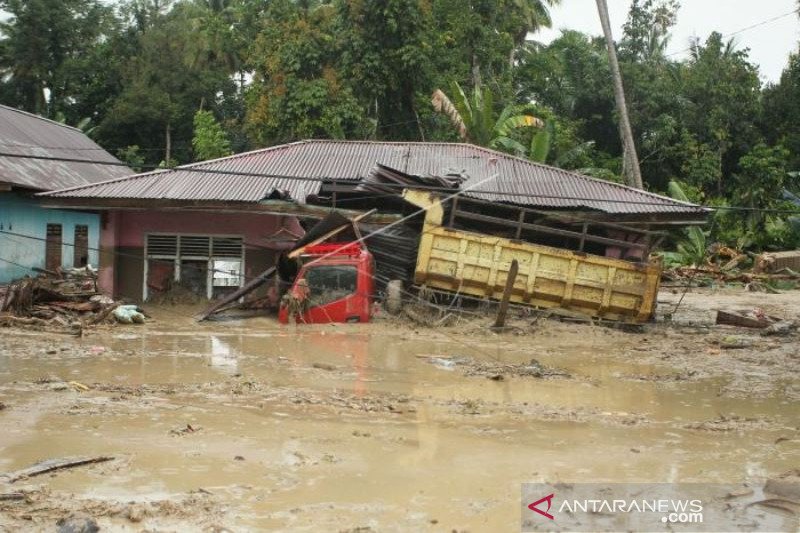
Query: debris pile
pixel 62 300
pixel 767 272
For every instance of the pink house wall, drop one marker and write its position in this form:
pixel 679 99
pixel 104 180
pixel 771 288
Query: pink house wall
pixel 127 229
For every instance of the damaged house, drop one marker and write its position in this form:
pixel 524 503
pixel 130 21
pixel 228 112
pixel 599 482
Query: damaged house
pixel 212 225
pixel 32 237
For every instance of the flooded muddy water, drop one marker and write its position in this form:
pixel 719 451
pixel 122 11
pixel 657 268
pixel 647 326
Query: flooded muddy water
pixel 249 425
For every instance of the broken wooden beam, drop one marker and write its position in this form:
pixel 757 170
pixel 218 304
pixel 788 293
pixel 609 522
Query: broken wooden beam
pixel 737 319
pixel 51 465
pixel 249 287
pixel 352 223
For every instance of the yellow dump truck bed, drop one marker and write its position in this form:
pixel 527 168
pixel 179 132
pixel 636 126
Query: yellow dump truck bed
pixel 478 265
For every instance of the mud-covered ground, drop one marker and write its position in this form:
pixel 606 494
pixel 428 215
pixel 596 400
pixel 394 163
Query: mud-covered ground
pixel 248 425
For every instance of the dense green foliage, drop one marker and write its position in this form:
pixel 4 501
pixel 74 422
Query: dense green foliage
pixel 135 73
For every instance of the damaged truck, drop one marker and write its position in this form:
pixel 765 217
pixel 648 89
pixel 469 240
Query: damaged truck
pixel 462 245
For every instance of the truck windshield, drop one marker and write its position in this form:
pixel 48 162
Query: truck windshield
pixel 330 283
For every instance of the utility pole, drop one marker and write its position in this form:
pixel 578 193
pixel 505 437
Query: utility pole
pixel 630 165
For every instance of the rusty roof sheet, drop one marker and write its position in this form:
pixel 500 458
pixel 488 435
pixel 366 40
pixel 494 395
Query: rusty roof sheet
pixel 290 170
pixel 23 133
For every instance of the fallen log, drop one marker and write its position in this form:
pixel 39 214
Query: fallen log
pixel 249 287
pixel 743 321
pixel 51 465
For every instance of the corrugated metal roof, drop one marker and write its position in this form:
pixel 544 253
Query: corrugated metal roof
pixel 27 134
pixel 518 181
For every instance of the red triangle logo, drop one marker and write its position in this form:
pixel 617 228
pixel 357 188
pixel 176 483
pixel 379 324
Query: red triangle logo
pixel 546 514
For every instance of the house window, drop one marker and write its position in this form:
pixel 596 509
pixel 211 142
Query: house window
pixel 206 265
pixel 52 251
pixel 81 249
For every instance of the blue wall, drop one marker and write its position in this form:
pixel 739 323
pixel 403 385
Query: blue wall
pixel 20 214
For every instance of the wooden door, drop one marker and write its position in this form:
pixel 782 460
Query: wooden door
pixel 52 253
pixel 81 249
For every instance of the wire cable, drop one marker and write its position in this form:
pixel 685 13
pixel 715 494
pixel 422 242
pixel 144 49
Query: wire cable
pixel 737 32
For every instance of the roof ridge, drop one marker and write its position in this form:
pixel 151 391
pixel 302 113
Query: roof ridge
pixel 241 154
pixel 44 119
pixel 181 167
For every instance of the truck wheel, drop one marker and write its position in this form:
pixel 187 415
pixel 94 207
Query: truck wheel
pixel 394 296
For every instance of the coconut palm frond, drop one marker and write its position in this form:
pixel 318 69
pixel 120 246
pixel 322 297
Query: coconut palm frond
pixel 442 104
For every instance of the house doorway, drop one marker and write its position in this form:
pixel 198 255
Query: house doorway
pixel 52 250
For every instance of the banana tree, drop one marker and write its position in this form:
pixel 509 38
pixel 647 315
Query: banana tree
pixel 475 121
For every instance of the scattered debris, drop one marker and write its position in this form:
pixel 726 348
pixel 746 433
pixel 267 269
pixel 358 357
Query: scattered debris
pixel 775 262
pixel 80 387
pixel 780 329
pixel 51 465
pixel 62 300
pixel 185 431
pixel 725 423
pixel 755 280
pixel 77 525
pixel 494 370
pixel 128 314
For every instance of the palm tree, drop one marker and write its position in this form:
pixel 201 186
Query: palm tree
pixel 534 15
pixel 630 160
pixel 476 122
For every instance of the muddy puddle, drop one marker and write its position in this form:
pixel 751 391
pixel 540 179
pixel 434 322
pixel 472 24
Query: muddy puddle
pixel 248 425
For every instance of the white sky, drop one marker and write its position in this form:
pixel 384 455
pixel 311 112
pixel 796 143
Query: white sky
pixel 769 44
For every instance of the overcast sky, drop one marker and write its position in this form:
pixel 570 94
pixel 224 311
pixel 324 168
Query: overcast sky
pixel 769 44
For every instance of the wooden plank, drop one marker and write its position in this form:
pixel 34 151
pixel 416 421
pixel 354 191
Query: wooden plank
pixel 553 231
pixel 249 287
pixel 332 233
pixel 51 465
pixel 500 321
pixel 736 319
pixel 570 219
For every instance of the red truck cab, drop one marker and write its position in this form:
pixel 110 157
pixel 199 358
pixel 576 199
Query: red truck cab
pixel 335 284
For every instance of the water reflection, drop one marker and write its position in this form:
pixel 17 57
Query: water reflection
pixel 222 357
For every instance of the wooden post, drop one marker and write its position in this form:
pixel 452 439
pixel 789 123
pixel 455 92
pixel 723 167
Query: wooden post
pixel 510 279
pixel 583 235
pixel 453 208
pixel 520 222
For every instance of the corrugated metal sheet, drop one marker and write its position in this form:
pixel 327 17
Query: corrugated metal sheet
pixel 488 172
pixel 26 134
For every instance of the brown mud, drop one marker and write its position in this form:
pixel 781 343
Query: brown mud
pixel 248 425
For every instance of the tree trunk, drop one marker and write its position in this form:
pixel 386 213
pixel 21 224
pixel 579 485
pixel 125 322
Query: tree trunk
pixel 633 176
pixel 168 149
pixel 476 73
